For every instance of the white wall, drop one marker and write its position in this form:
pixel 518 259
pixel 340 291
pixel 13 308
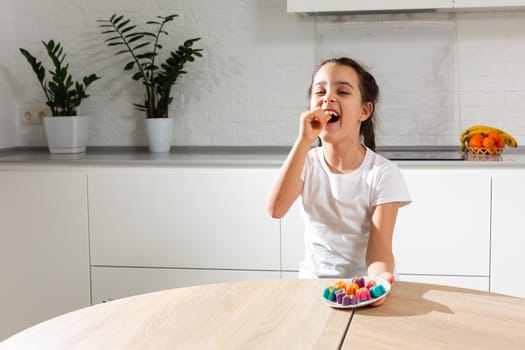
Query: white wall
pixel 438 72
pixel 7 76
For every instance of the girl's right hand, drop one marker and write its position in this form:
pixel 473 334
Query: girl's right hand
pixel 312 123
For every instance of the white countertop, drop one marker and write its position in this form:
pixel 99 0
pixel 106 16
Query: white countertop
pixel 214 156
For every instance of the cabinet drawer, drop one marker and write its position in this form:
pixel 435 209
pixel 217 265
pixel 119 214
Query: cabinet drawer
pixel 119 282
pixel 183 217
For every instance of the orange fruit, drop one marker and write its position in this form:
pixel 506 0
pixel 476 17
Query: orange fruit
pixel 488 142
pixel 476 141
pixel 500 143
pixel 496 136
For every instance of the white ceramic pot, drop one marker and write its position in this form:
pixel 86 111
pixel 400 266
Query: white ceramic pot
pixel 67 134
pixel 158 133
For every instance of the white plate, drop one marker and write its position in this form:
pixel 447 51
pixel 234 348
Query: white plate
pixel 378 280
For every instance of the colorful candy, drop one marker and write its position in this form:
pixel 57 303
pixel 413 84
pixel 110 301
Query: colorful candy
pixel 359 280
pixel 370 284
pixel 357 290
pixel 349 300
pixel 363 294
pixel 377 291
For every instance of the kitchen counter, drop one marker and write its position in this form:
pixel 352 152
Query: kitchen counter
pixel 246 156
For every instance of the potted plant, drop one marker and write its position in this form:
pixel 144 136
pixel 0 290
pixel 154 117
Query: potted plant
pixel 66 131
pixel 144 48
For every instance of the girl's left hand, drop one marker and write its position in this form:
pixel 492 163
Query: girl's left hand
pixel 390 278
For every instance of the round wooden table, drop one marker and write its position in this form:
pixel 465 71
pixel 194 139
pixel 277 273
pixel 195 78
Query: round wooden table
pixel 285 314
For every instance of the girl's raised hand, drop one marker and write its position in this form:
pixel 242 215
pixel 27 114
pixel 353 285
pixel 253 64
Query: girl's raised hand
pixel 312 122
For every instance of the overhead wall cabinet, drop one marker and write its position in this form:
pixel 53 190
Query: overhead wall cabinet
pixel 356 6
pixel 328 6
pixel 480 4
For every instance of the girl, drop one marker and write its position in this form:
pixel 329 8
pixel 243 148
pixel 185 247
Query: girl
pixel 350 194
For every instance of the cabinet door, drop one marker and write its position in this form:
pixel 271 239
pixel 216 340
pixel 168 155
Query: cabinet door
pixel 183 217
pixel 508 234
pixel 44 260
pixel 119 282
pixel 292 237
pixel 446 229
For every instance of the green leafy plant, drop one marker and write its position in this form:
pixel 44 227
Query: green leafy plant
pixel 62 93
pixel 144 48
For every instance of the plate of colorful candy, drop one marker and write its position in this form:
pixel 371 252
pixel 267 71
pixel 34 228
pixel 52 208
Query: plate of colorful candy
pixel 356 292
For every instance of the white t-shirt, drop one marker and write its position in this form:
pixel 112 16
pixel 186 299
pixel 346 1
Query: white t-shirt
pixel 337 211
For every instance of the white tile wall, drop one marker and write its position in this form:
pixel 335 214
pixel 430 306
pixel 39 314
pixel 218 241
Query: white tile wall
pixel 438 73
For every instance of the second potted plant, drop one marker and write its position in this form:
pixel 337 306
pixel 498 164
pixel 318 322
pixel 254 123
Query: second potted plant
pixel 66 131
pixel 157 78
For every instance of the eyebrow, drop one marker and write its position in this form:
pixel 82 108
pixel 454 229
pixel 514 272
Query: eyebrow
pixel 341 82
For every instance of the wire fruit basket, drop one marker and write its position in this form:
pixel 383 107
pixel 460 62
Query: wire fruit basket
pixel 484 154
pixel 479 151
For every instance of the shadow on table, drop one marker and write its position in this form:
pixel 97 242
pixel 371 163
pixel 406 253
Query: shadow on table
pixel 411 299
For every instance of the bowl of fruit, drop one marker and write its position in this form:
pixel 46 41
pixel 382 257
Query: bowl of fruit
pixel 485 142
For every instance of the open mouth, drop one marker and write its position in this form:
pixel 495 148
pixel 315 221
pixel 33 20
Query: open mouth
pixel 333 116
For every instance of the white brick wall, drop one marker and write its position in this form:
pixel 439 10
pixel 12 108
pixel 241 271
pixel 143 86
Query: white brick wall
pixel 438 72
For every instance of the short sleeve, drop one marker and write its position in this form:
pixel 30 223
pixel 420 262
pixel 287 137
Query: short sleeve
pixel 391 187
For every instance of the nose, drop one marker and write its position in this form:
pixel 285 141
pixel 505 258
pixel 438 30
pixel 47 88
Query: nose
pixel 328 98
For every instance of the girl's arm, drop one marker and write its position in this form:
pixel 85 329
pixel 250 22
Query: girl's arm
pixel 379 256
pixel 288 184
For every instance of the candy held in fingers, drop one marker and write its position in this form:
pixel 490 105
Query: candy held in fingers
pixel 316 124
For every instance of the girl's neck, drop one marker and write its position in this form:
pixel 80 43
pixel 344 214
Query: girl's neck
pixel 343 160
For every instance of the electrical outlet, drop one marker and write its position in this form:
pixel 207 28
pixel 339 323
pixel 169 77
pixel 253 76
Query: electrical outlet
pixel 33 115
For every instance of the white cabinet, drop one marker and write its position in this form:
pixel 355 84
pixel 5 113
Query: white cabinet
pixel 446 229
pixel 44 260
pixel 292 237
pixel 508 233
pixel 119 282
pixel 194 218
pixel 316 6
pixel 443 236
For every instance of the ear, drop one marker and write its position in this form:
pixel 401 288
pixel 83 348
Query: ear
pixel 368 108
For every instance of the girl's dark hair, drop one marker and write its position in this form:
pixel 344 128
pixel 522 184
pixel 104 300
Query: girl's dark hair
pixel 369 93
